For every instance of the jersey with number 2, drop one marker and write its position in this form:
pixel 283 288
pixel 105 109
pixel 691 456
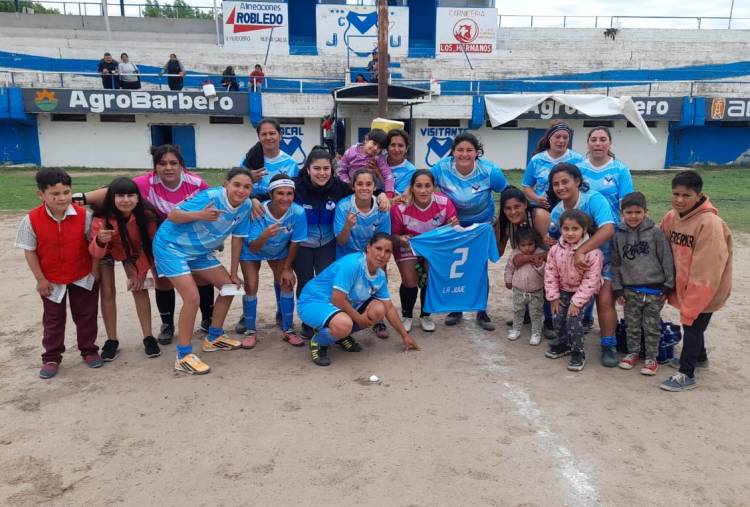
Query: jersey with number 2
pixel 457 258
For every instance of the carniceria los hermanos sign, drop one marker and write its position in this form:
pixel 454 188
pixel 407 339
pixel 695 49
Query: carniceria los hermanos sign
pixel 58 100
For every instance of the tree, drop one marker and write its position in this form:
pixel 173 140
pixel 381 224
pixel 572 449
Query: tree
pixel 25 5
pixel 179 9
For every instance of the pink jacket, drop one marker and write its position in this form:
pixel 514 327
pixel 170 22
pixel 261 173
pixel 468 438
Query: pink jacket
pixel 561 273
pixel 527 278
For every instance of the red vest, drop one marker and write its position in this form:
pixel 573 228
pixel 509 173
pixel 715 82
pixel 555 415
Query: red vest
pixel 61 247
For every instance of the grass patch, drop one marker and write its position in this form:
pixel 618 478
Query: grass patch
pixel 729 189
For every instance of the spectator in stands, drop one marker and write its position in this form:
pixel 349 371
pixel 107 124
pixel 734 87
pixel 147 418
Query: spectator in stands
pixel 129 78
pixel 372 66
pixel 360 79
pixel 229 80
pixel 108 70
pixel 257 77
pixel 175 72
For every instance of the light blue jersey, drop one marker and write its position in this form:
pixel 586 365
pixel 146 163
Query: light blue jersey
pixel 471 194
pixel 293 228
pixel 282 163
pixel 202 237
pixel 402 174
pixel 457 280
pixel 368 224
pixel 595 205
pixel 612 180
pixel 537 171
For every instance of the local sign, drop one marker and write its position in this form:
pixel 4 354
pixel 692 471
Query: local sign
pixel 725 109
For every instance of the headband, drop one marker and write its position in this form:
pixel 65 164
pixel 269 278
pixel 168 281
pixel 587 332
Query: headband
pixel 280 183
pixel 557 128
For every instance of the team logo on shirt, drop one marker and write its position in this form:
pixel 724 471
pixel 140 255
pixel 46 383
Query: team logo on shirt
pixel 330 206
pixel 437 218
pixel 609 180
pixel 476 188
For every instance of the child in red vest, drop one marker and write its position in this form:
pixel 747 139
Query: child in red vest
pixel 54 239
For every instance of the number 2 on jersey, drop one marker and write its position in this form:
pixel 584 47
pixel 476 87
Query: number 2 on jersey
pixel 464 254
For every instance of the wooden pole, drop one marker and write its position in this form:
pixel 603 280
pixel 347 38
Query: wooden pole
pixel 382 58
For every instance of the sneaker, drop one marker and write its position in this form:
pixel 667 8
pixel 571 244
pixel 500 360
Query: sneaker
pixel 307 332
pixel 205 324
pixel 609 357
pixel 319 353
pixel 514 335
pixel 427 323
pixel 240 327
pixel 629 362
pixel 407 322
pixel 349 345
pixel 49 370
pixel 293 339
pixel 484 321
pixel 93 361
pixel 453 318
pixel 151 347
pixel 557 351
pixel 536 339
pixel 380 330
pixel 675 363
pixel 223 342
pixel 649 367
pixel 678 382
pixel 587 325
pixel 166 334
pixel 191 364
pixel 110 350
pixel 577 361
pixel 249 340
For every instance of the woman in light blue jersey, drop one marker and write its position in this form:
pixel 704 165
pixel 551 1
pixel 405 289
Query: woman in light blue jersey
pixel 397 142
pixel 552 149
pixel 265 159
pixel 468 181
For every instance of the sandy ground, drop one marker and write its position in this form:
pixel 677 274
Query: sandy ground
pixel 473 419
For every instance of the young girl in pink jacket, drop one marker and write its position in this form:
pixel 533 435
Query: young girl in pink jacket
pixel 569 285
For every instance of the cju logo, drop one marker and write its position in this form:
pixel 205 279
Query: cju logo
pixel 718 108
pixel 437 148
pixel 46 100
pixel 243 21
pixel 465 30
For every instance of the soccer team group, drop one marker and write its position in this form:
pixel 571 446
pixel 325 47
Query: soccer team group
pixel 580 237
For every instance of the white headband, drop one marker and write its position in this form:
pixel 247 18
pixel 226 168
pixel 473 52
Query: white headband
pixel 280 183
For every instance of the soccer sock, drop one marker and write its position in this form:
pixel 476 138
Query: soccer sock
pixel 277 291
pixel 286 302
pixel 609 341
pixel 422 299
pixel 249 310
pixel 408 300
pixel 324 337
pixel 183 350
pixel 214 333
pixel 206 293
pixel 165 304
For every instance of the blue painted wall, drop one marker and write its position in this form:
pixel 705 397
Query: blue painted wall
pixel 19 142
pixel 719 143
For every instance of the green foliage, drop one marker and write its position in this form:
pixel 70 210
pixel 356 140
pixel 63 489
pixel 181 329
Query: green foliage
pixel 179 9
pixel 25 5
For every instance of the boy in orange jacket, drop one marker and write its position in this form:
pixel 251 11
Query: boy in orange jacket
pixel 702 248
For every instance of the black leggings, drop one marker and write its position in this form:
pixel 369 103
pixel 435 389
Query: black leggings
pixel 311 261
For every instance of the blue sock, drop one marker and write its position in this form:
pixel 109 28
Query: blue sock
pixel 214 333
pixel 324 338
pixel 183 350
pixel 609 341
pixel 286 301
pixel 277 291
pixel 250 310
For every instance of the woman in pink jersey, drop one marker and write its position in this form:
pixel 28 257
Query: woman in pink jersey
pixel 165 187
pixel 424 211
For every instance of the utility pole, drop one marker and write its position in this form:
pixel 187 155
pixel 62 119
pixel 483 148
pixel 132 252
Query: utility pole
pixel 382 58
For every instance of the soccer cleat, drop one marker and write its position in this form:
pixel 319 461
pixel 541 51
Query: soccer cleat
pixel 609 357
pixel 514 335
pixel 249 340
pixel 110 350
pixel 557 351
pixel 427 323
pixel 629 362
pixel 240 327
pixel 319 353
pixel 93 361
pixel 536 339
pixel 380 330
pixel 407 322
pixel 453 318
pixel 192 365
pixel 293 339
pixel 49 370
pixel 484 321
pixel 577 361
pixel 151 347
pixel 649 367
pixel 166 335
pixel 223 342
pixel 349 345
pixel 678 382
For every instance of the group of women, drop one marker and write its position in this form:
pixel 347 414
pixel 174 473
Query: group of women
pixel 331 241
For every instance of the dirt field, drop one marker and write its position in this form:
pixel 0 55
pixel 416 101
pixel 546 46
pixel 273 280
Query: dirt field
pixel 473 419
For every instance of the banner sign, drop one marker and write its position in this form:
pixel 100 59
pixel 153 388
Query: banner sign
pixel 58 100
pixel 651 108
pixel 342 28
pixel 725 109
pixel 465 30
pixel 256 27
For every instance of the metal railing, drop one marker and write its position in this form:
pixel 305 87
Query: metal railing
pixel 130 10
pixel 684 22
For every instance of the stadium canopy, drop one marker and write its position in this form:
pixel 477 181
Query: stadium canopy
pixel 367 93
pixel 502 108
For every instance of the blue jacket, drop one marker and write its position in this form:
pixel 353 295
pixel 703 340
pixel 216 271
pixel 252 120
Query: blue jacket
pixel 319 204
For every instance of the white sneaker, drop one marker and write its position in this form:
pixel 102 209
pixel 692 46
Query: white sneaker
pixel 514 335
pixel 427 323
pixel 536 339
pixel 407 321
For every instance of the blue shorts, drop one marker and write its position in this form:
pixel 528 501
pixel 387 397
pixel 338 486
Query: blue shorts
pixel 247 255
pixel 317 314
pixel 607 271
pixel 171 262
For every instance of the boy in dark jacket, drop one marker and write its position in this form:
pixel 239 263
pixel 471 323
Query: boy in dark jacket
pixel 643 275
